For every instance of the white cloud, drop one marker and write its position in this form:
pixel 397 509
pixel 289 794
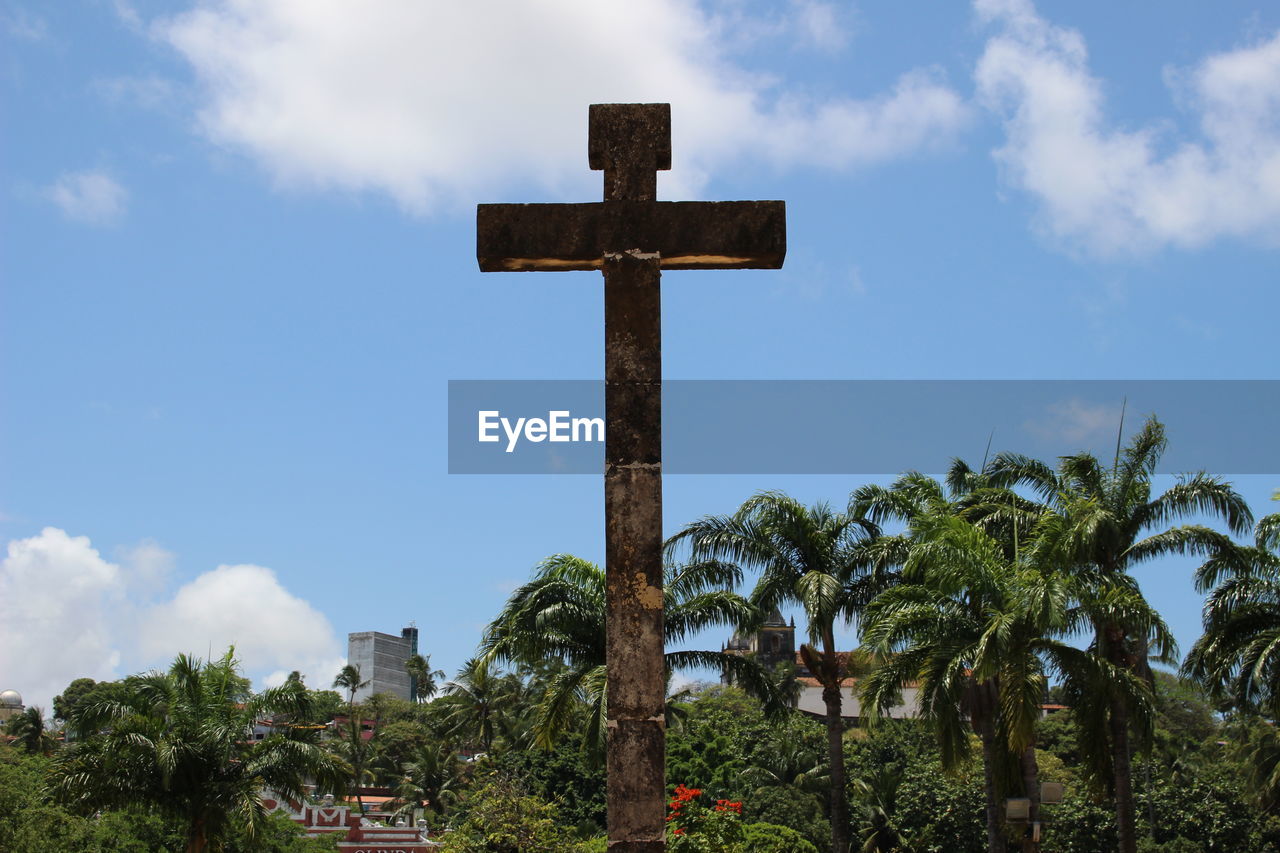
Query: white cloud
pixel 440 104
pixel 65 612
pixel 243 606
pixel 94 198
pixel 57 597
pixel 1112 191
pixel 147 566
pixel 1075 421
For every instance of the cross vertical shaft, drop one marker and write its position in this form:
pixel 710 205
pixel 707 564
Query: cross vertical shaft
pixel 627 144
pixel 631 237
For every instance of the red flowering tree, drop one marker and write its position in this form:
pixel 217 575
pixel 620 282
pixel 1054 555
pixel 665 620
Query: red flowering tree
pixel 695 827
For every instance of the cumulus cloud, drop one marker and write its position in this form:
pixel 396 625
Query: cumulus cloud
pixel 65 612
pixel 243 606
pixel 57 597
pixel 93 198
pixel 1114 191
pixel 439 104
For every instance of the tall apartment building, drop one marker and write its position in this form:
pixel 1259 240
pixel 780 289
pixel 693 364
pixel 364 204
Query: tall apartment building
pixel 381 658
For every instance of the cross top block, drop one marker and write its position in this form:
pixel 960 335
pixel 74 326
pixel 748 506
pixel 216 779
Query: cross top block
pixel 630 143
pixel 626 130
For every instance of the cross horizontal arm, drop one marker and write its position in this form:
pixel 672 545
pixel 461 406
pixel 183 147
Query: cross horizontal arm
pixel 685 234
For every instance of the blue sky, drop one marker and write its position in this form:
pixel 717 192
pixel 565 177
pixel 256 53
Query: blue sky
pixel 239 271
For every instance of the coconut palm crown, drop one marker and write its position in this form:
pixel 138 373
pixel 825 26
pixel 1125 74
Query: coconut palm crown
pixel 180 741
pixel 824 561
pixel 560 615
pixel 1112 522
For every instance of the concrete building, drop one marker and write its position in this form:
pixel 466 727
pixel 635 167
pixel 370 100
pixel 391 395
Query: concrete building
pixel 381 659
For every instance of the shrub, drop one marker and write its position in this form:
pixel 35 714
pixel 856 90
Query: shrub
pixel 771 838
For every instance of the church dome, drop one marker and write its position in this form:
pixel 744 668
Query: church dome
pixel 11 698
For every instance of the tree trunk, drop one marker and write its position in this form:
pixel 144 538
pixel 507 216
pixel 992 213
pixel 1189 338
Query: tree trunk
pixel 1031 784
pixel 835 746
pixel 990 760
pixel 1126 829
pixel 197 841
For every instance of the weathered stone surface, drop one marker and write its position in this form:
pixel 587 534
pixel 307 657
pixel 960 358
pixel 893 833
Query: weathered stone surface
pixel 632 238
pixel 687 234
pixel 631 143
pixel 636 746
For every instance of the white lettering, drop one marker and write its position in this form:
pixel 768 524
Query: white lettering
pixel 559 424
pixel 486 424
pixel 587 424
pixel 513 435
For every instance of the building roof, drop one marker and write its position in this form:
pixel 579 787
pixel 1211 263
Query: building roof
pixel 775 620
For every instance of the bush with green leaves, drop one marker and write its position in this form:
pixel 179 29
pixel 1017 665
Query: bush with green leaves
pixel 771 838
pixel 562 774
pixel 500 816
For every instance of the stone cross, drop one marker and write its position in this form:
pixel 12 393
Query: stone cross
pixel 631 237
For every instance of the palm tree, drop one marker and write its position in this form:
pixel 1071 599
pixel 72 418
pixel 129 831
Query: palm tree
pixel 482 704
pixel 1238 656
pixel 927 505
pixel 422 677
pixel 349 679
pixel 433 773
pixel 824 562
pixel 877 794
pixel 30 731
pixel 179 742
pixel 933 629
pixel 1113 523
pixel 560 615
pixel 787 761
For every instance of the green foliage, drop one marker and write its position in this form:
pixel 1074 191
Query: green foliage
pixel 564 774
pixel 30 732
pixel 901 794
pixel 1209 810
pixel 501 817
pixel 279 834
pixel 941 813
pixel 729 748
pixel 65 702
pixel 177 746
pixel 325 705
pixel 1082 823
pixel 31 823
pixel 771 838
pixel 785 806
pixel 560 616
